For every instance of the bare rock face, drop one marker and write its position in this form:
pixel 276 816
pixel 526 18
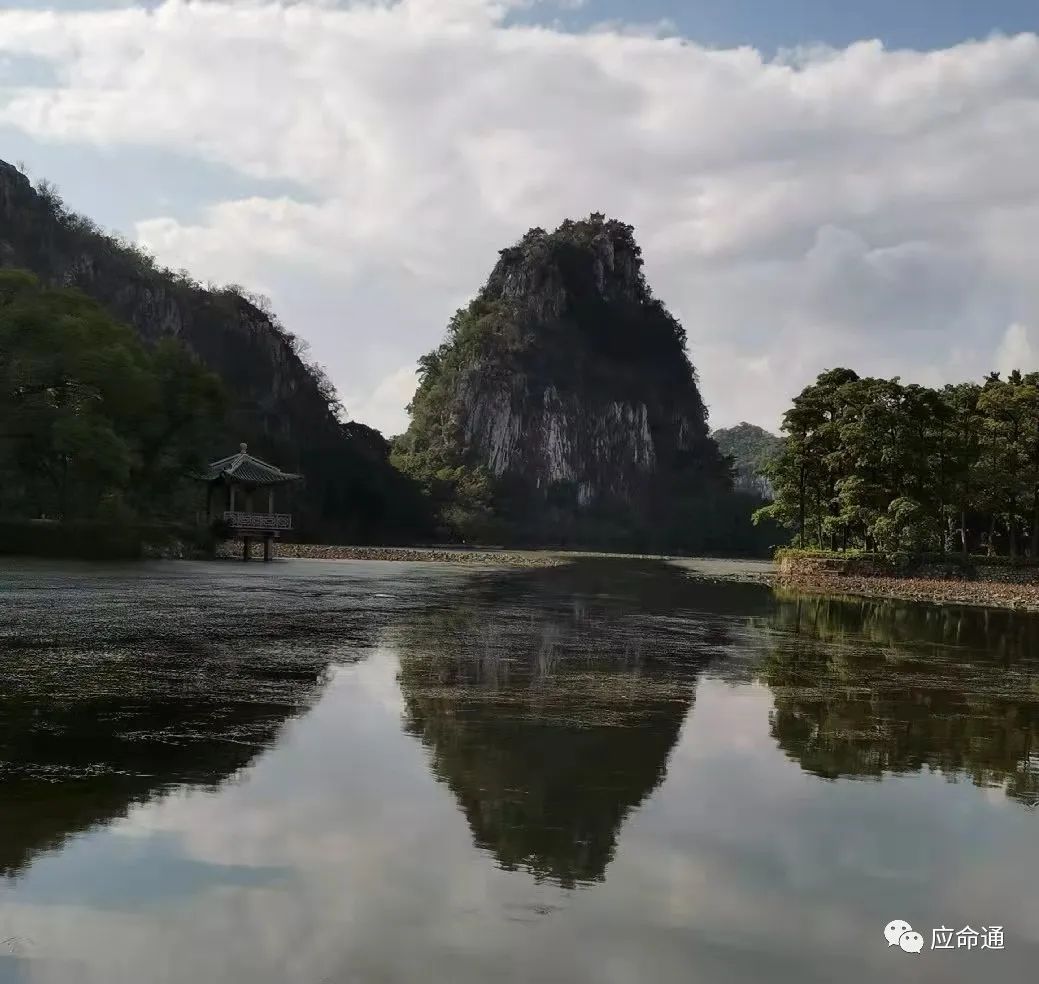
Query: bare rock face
pixel 567 384
pixel 553 438
pixel 278 404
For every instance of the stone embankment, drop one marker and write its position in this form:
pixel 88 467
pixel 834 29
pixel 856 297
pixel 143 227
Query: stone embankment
pixel 941 583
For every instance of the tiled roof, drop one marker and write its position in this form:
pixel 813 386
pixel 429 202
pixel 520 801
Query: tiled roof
pixel 243 467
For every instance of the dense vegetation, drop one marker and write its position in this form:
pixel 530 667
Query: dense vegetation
pixel 277 398
pixel 882 465
pixel 92 424
pixel 752 449
pixel 429 452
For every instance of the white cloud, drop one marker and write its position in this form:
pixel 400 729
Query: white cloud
pixel 1017 350
pixel 386 399
pixel 857 205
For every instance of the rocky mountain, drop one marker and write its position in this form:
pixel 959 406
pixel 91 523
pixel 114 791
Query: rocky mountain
pixel 562 402
pixel 751 448
pixel 284 408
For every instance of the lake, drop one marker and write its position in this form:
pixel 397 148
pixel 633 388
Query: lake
pixel 318 772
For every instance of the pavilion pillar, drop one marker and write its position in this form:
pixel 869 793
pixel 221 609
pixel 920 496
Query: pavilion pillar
pixel 231 503
pixel 246 548
pixel 266 548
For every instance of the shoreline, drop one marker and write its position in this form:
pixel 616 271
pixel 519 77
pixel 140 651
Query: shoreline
pixel 744 570
pixel 975 593
pixel 1002 589
pixel 232 550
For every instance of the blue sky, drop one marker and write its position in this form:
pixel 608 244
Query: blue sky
pixel 765 24
pixel 772 24
pixel 861 205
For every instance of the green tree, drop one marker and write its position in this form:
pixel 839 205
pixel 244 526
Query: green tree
pixel 1010 408
pixel 903 467
pixel 965 423
pixel 180 406
pixel 803 475
pixel 1031 449
pixel 90 421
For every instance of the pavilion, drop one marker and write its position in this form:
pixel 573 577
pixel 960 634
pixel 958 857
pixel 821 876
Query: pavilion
pixel 240 491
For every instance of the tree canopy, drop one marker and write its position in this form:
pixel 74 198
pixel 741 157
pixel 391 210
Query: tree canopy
pixel 92 423
pixel 892 466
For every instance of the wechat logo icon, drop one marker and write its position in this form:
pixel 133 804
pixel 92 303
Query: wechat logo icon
pixel 899 933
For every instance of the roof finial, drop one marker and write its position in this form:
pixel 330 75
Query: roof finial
pixel 243 447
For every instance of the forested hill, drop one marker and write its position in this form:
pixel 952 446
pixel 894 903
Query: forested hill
pixel 751 448
pixel 284 408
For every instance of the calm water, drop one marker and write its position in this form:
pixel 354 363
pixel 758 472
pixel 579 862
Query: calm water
pixel 320 773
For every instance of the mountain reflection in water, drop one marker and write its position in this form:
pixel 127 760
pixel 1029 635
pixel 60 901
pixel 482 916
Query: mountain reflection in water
pixel 550 701
pixel 609 771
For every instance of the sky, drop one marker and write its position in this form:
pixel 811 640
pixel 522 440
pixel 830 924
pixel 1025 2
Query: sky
pixel 814 183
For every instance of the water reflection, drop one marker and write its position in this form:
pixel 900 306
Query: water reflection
pixel 542 711
pixel 551 701
pixel 867 688
pixel 156 676
pixel 113 735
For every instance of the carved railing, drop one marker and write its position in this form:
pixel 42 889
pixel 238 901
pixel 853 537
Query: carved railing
pixel 258 521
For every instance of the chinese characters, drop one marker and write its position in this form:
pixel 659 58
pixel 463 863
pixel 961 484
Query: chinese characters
pixel 968 938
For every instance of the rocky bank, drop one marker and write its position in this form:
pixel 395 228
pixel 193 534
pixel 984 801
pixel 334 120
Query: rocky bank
pixel 943 584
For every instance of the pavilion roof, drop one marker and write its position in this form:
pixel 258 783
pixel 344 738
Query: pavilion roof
pixel 244 467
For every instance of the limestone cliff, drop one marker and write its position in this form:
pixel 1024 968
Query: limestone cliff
pixel 566 385
pixel 281 406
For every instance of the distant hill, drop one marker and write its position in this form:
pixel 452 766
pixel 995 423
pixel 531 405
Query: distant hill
pixel 751 448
